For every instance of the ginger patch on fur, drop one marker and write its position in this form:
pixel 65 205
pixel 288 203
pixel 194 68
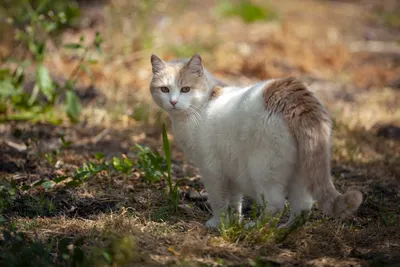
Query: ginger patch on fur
pixel 216 92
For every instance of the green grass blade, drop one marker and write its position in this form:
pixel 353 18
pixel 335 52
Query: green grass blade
pixel 167 152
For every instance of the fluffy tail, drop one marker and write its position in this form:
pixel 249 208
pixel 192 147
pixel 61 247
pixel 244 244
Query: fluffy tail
pixel 312 129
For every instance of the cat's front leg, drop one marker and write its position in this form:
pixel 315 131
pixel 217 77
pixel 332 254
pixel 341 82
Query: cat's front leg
pixel 218 197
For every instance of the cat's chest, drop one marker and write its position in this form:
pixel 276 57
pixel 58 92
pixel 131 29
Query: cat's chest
pixel 185 137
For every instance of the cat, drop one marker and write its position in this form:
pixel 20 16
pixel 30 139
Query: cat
pixel 270 140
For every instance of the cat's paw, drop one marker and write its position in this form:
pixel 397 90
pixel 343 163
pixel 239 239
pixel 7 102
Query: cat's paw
pixel 212 223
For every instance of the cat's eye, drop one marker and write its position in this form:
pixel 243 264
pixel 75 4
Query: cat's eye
pixel 164 89
pixel 185 89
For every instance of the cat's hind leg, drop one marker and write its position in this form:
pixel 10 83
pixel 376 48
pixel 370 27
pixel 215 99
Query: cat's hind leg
pixel 300 203
pixel 269 177
pixel 235 202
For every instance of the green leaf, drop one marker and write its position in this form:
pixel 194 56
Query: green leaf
pixel 64 143
pixel 73 183
pixel 98 155
pixel 247 11
pixel 167 155
pixel 44 82
pixel 38 183
pixel 128 163
pixel 96 168
pixel 2 219
pixel 72 106
pixel 116 163
pixel 73 46
pixel 81 174
pixel 59 179
pixel 98 41
pixel 47 185
pixel 7 88
pixel 4 73
pixel 107 257
pixel 124 165
pixel 37 49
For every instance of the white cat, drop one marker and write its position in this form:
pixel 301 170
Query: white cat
pixel 270 140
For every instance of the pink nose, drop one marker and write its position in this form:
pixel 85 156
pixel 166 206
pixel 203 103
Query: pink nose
pixel 173 102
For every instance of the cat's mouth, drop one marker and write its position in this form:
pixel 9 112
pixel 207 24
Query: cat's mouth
pixel 175 110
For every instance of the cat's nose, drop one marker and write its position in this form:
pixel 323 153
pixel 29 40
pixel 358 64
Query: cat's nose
pixel 173 102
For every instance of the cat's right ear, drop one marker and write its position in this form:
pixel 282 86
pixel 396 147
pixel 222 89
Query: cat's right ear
pixel 157 65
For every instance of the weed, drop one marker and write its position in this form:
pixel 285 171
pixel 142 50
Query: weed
pixel 150 163
pixel 173 189
pixel 7 196
pixel 246 10
pixel 17 249
pixel 118 251
pixel 15 103
pixel 262 228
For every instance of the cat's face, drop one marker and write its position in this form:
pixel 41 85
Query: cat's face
pixel 178 86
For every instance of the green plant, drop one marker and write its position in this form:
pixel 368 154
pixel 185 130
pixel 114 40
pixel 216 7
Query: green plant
pixel 38 28
pixel 152 164
pixel 17 249
pixel 173 190
pixel 118 251
pixel 61 13
pixel 7 196
pixel 246 10
pixel 262 228
pixel 172 195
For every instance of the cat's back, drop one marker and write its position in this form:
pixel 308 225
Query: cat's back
pixel 238 115
pixel 287 98
pixel 236 101
pixel 268 110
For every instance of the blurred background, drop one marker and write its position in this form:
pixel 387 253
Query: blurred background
pixel 348 43
pixel 74 101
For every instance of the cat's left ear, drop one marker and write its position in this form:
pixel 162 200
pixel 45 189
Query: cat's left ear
pixel 157 65
pixel 195 65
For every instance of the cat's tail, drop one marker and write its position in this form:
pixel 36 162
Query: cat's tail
pixel 313 132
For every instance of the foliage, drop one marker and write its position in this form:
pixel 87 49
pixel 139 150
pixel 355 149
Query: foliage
pixel 118 251
pixel 173 196
pixel 61 13
pixel 17 249
pixel 150 163
pixel 7 196
pixel 39 23
pixel 246 10
pixel 262 228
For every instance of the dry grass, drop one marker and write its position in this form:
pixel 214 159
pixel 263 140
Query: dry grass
pixel 315 45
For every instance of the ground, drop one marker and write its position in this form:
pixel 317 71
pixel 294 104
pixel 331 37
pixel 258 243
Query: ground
pixel 346 51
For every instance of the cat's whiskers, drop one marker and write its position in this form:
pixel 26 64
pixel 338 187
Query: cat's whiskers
pixel 197 114
pixel 193 117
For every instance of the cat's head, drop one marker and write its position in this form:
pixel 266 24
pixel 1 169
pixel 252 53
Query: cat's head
pixel 180 85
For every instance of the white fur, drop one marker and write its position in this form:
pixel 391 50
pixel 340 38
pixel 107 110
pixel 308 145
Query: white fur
pixel 240 148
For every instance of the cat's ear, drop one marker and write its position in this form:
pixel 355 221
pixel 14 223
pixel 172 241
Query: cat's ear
pixel 195 65
pixel 157 65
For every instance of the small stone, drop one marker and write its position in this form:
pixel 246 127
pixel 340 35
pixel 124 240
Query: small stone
pixel 59 164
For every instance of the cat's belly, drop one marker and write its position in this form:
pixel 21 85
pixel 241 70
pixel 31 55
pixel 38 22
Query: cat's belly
pixel 260 146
